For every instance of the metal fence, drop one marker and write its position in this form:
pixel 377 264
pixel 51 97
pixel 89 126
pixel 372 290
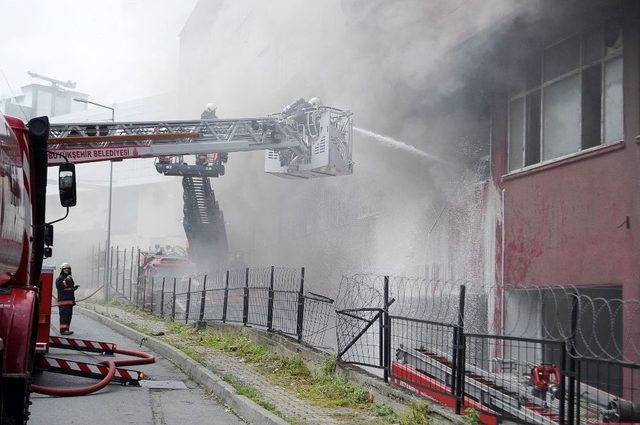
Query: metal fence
pixel 439 339
pixel 120 269
pixel 268 297
pixel 540 355
pixel 273 298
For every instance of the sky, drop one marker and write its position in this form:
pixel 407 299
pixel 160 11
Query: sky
pixel 135 41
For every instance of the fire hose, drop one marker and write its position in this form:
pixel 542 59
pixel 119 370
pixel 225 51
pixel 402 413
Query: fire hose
pixel 81 299
pixel 141 358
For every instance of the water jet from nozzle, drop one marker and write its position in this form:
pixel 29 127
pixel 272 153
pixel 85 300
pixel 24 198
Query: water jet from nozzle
pixel 396 144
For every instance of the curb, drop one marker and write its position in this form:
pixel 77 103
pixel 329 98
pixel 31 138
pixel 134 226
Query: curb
pixel 243 406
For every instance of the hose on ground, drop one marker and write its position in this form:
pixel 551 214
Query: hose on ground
pixel 141 358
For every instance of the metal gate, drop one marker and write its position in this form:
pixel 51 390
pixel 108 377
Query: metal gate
pixel 364 336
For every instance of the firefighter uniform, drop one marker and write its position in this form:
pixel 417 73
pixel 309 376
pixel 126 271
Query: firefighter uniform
pixel 66 297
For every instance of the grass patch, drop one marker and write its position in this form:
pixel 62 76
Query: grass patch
pixel 324 387
pixel 471 416
pixel 250 393
pixel 384 411
pixel 418 415
pixel 335 391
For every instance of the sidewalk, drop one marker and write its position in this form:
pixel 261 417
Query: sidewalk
pixel 281 384
pixel 181 402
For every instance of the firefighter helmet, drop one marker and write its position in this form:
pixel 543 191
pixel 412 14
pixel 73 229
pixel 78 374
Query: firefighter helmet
pixel 315 102
pixel 65 266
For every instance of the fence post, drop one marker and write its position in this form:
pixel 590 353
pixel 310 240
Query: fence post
pixel 117 267
pixel 563 371
pixel 138 275
pixel 124 268
pixel 461 353
pixel 202 302
pixel 93 264
pixel 245 298
pixel 101 262
pixel 144 293
pixel 571 414
pixel 454 361
pixel 578 389
pixel 387 331
pixel 151 297
pixel 96 262
pixel 186 316
pixel 381 344
pixel 110 267
pixel 137 302
pixel 225 300
pixel 270 303
pixel 300 318
pixel 138 266
pixel 173 302
pixel 162 300
pixel 131 276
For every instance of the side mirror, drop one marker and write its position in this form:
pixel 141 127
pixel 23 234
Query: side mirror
pixel 67 184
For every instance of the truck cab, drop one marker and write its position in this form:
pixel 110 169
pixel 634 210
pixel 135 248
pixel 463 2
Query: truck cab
pixel 23 245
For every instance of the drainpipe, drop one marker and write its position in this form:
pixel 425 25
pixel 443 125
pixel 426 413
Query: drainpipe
pixel 502 242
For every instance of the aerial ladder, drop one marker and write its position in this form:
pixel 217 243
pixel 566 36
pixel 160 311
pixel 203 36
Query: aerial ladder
pixel 315 142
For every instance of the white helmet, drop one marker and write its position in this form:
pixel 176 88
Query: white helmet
pixel 315 102
pixel 210 107
pixel 65 266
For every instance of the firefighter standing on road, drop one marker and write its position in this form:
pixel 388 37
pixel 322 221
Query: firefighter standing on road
pixel 66 297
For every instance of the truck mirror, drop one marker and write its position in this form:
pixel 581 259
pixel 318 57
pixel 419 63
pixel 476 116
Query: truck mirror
pixel 67 184
pixel 48 234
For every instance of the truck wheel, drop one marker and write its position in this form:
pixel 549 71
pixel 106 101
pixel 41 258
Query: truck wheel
pixel 15 401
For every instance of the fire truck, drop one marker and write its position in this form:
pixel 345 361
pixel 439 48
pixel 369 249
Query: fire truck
pixel 317 142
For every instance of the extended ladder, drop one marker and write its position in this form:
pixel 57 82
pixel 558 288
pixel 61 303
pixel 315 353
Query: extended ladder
pixel 100 141
pixel 319 146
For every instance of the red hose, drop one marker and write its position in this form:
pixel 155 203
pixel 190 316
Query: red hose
pixel 142 358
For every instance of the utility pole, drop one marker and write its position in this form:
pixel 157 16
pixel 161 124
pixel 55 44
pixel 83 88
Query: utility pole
pixel 108 247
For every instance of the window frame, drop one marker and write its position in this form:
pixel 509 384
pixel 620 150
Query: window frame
pixel 525 94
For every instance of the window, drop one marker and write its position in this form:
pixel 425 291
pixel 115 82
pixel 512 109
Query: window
pixel 569 100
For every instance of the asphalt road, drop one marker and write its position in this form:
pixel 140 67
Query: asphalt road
pixel 116 404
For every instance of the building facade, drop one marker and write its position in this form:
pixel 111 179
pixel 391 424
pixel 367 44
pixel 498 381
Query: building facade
pixel 565 161
pixel 38 99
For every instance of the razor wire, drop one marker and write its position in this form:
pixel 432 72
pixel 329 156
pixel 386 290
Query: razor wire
pixel 603 326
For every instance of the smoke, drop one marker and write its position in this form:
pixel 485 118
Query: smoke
pixel 404 69
pixel 418 93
